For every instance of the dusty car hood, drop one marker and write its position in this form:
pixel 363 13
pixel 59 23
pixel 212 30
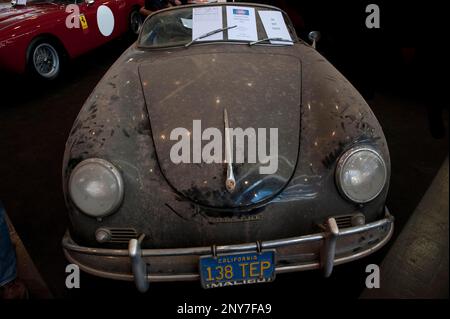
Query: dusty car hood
pixel 258 91
pixel 11 16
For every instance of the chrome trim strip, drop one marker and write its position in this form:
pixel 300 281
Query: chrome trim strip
pixel 279 270
pixel 230 182
pixel 70 245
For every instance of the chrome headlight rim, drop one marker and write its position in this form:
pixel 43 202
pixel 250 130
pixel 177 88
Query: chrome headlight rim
pixel 340 169
pixel 118 177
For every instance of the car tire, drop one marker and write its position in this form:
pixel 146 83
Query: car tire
pixel 135 22
pixel 44 59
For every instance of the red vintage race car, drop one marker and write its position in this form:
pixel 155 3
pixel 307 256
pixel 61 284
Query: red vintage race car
pixel 37 36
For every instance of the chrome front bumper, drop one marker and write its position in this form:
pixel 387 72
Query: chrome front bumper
pixel 323 250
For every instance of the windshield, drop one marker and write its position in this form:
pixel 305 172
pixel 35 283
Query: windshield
pixel 183 26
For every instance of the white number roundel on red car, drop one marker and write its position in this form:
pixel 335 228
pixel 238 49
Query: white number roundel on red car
pixel 105 20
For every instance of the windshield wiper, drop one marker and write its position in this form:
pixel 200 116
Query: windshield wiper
pixel 270 39
pixel 209 34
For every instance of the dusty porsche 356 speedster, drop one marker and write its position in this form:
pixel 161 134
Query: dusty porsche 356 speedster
pixel 220 147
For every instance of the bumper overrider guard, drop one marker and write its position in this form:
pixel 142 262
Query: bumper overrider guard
pixel 323 250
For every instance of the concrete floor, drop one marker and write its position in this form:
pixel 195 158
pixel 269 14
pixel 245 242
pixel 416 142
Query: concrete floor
pixel 416 266
pixel 35 120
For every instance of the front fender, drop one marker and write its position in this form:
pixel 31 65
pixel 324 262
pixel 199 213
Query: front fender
pixel 335 118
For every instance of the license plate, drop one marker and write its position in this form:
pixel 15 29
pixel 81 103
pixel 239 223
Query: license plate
pixel 237 269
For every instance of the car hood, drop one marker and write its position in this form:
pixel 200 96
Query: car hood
pixel 257 91
pixel 12 16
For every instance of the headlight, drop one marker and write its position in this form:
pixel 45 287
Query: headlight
pixel 361 174
pixel 96 187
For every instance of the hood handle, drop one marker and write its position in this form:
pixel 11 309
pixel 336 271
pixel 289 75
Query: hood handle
pixel 230 182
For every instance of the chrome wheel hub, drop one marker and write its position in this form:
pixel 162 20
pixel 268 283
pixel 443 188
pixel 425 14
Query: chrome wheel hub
pixel 46 60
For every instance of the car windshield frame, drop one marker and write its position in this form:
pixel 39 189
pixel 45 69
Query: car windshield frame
pixel 141 44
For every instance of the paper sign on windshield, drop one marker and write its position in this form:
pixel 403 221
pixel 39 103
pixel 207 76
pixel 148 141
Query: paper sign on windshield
pixel 275 26
pixel 207 19
pixel 245 20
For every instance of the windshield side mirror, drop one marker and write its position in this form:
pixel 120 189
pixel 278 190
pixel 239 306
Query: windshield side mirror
pixel 314 37
pixel 89 2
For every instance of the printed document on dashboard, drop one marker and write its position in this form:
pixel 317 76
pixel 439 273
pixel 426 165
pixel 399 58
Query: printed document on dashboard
pixel 244 19
pixel 275 26
pixel 207 19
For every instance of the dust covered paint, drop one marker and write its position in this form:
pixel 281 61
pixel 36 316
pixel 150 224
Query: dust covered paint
pixel 146 93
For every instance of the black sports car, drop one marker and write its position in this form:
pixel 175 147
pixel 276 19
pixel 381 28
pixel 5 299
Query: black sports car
pixel 222 147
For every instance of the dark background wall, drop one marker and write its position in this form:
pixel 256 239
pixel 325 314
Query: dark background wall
pixel 405 55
